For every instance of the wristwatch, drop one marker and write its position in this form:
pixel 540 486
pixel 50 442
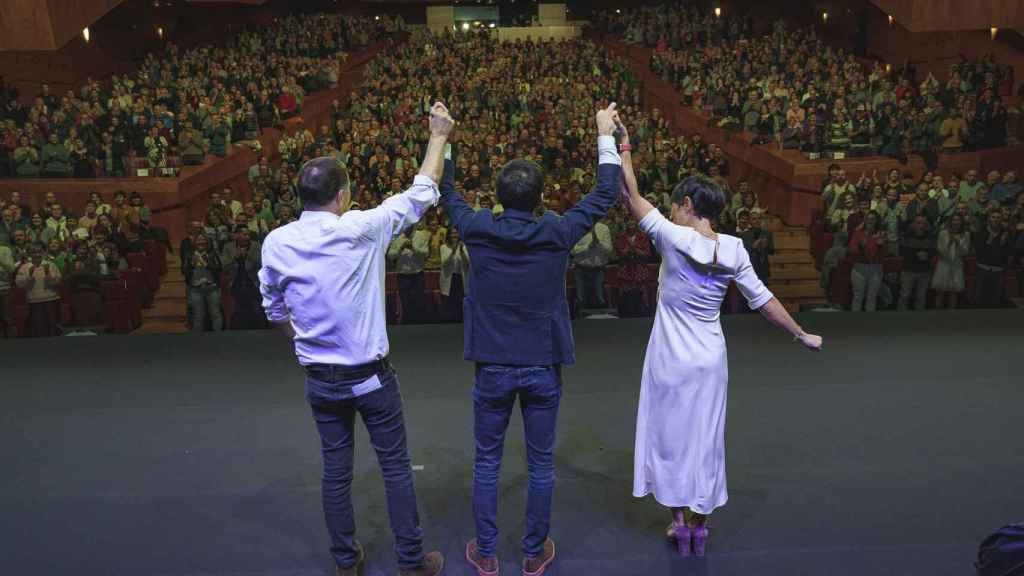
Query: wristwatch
pixel 625 147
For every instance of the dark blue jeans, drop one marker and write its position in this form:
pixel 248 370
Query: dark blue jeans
pixel 329 392
pixel 539 389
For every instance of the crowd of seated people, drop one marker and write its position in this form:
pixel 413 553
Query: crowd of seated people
pixel 791 88
pixel 542 115
pixel 908 238
pixel 180 105
pixel 53 252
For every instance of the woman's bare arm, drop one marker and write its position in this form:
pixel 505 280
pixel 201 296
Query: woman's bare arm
pixel 777 314
pixel 637 204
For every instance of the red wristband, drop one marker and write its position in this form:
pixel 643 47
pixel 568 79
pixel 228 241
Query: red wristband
pixel 625 148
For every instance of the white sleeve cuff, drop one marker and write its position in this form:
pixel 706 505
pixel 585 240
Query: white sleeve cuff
pixel 421 180
pixel 608 151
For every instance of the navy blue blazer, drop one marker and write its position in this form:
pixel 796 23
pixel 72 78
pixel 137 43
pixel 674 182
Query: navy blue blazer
pixel 516 311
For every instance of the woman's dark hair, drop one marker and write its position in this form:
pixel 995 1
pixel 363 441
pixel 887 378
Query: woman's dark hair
pixel 519 185
pixel 320 180
pixel 708 199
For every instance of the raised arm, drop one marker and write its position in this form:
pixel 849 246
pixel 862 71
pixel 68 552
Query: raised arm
pixel 402 210
pixel 458 211
pixel 630 190
pixel 582 217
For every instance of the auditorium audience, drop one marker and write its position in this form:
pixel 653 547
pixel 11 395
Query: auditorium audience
pixel 182 102
pixel 454 283
pixel 992 246
pixel 746 78
pixel 202 270
pixel 407 253
pixel 590 256
pixel 39 278
pixel 953 245
pixel 241 259
pixel 867 248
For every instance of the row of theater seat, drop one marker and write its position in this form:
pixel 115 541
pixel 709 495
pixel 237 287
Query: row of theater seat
pixel 114 305
pixel 840 289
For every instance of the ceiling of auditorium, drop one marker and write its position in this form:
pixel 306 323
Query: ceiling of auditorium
pixel 950 15
pixel 47 24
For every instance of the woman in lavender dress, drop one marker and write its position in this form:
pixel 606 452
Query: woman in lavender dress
pixel 680 431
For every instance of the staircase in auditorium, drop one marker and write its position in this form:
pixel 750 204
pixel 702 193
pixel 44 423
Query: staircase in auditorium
pixel 167 315
pixel 794 279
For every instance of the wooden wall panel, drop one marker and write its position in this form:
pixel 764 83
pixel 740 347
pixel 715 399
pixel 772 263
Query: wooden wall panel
pixel 949 15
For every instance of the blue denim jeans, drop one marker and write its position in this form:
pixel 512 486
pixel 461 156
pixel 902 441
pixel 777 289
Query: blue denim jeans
pixel 539 389
pixel 329 392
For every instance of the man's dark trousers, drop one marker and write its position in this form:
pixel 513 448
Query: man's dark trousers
pixel 329 392
pixel 539 390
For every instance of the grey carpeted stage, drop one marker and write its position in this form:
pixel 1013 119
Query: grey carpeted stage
pixel 893 452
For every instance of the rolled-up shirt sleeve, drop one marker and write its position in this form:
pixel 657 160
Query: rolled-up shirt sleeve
pixel 273 298
pixel 402 210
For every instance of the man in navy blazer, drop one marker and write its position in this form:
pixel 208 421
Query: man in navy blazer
pixel 517 330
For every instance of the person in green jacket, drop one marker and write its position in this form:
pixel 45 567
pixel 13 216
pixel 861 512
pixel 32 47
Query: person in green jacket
pixel 218 137
pixel 26 159
pixel 56 159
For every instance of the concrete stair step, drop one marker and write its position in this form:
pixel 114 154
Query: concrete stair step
pixel 793 243
pixel 791 257
pixel 165 308
pixel 796 273
pixel 797 290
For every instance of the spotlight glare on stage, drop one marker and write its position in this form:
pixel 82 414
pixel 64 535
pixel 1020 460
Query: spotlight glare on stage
pixel 465 25
pixel 491 25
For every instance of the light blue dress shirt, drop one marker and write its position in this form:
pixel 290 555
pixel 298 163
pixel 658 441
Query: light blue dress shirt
pixel 325 274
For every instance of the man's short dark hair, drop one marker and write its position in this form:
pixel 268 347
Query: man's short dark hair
pixel 519 185
pixel 708 199
pixel 320 180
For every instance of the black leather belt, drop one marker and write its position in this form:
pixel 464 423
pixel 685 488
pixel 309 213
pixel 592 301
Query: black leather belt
pixel 337 372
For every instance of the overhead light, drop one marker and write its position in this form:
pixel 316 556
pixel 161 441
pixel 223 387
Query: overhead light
pixel 993 31
pixel 160 32
pixel 617 11
pixel 888 68
pixel 465 25
pixel 85 33
pixel 491 25
pixel 376 17
pixel 718 11
pixel 891 20
pixel 824 16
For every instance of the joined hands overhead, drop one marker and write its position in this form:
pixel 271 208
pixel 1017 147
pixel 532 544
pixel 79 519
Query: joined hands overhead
pixel 441 122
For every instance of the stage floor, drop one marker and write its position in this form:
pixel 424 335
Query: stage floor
pixel 893 452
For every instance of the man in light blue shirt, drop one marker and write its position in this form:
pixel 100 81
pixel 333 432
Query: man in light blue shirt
pixel 322 285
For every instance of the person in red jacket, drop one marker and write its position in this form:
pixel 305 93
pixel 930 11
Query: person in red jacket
pixel 287 104
pixel 867 248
